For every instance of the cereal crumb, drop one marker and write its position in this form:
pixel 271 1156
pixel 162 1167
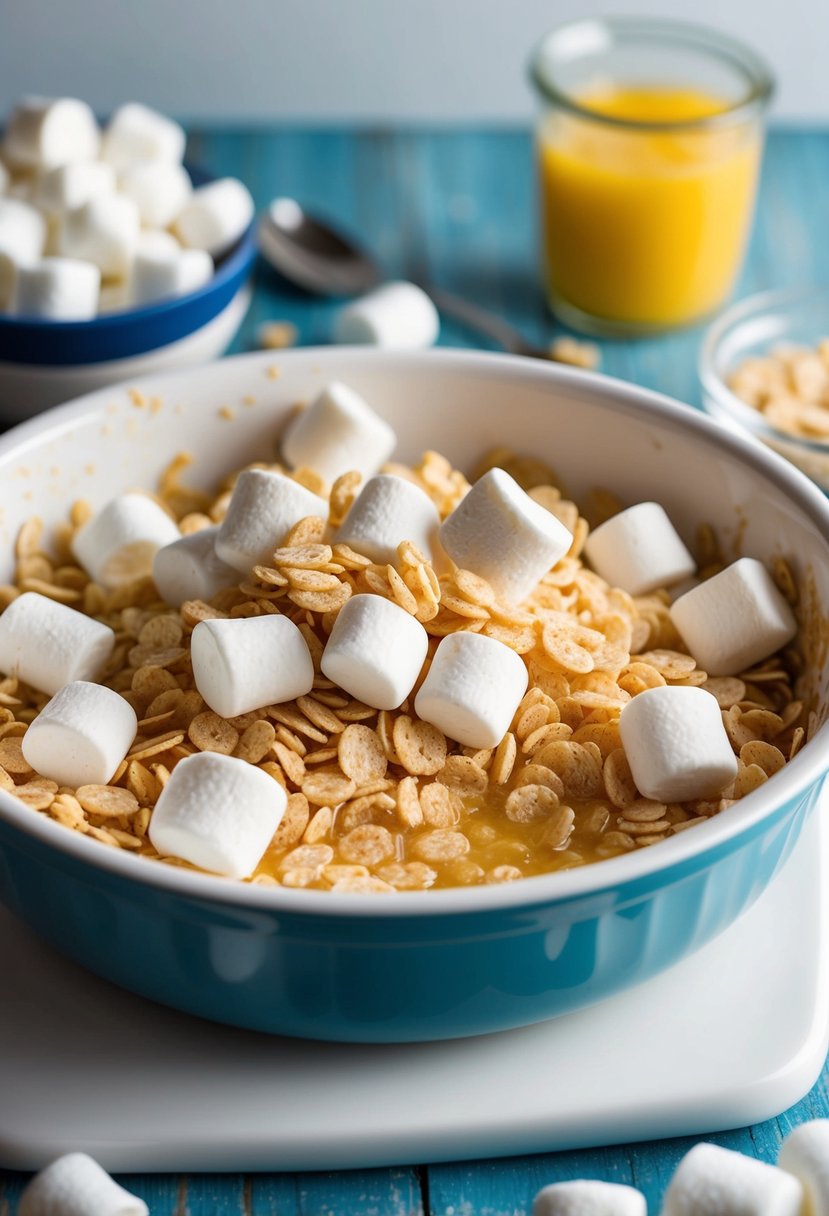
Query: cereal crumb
pixel 277 335
pixel 575 353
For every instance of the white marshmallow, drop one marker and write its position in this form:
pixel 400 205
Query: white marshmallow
pixel 375 651
pixel 162 269
pixel 587 1198
pixel 22 231
pixel 338 432
pixel 805 1154
pixel 118 544
pixel 160 189
pixel 500 533
pixel 261 510
pixel 81 735
pixel 62 289
pixel 216 216
pixel 248 663
pixel 75 1185
pixel 676 744
pixel 103 230
pixel 49 645
pixel 397 316
pixel 639 550
pixel 190 569
pixel 43 132
pixel 136 132
pixel 713 1181
pixel 389 510
pixel 69 186
pixel 218 813
pixel 735 619
pixel 472 689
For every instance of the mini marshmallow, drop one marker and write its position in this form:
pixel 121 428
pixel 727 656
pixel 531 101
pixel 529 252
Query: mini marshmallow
pixel 805 1154
pixel 22 231
pixel 472 689
pixel 104 231
pixel 69 186
pixel 735 619
pixel 711 1180
pixel 190 568
pixel 118 544
pixel 162 269
pixel 43 132
pixel 81 735
pixel 676 744
pixel 215 217
pixel 62 289
pixel 397 316
pixel 587 1198
pixel 389 510
pixel 48 645
pixel 639 550
pixel 160 189
pixel 136 132
pixel 261 510
pixel 75 1185
pixel 375 651
pixel 498 532
pixel 218 813
pixel 338 432
pixel 247 663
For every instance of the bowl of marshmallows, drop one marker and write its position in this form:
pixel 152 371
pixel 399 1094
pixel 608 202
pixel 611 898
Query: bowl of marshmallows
pixel 115 259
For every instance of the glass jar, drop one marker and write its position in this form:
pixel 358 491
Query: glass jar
pixel 648 146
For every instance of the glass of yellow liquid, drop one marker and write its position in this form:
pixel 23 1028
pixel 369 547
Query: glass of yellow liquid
pixel 649 145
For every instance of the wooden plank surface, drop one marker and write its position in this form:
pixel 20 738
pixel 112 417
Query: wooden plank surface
pixel 457 206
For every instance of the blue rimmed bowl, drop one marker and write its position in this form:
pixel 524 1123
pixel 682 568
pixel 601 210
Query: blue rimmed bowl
pixel 434 964
pixel 43 362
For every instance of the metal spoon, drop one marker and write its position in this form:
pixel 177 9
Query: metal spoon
pixel 312 254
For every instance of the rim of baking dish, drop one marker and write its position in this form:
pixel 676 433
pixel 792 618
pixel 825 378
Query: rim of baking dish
pixel 617 873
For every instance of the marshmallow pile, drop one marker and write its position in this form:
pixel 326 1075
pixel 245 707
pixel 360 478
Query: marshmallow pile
pixel 95 221
pixel 714 1181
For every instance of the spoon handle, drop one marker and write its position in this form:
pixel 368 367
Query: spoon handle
pixel 484 322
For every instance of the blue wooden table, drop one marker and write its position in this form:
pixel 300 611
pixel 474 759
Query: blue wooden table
pixel 457 206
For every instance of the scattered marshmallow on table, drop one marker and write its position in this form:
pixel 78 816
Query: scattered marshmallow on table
pixel 159 189
pixel 22 231
pixel 639 550
pixel 43 132
pixel 118 544
pixel 676 744
pixel 69 186
pixel 389 510
pixel 48 645
pixel 805 1154
pixel 218 813
pixel 397 316
pixel 587 1198
pixel 81 735
pixel 136 132
pixel 472 689
pixel 500 533
pixel 336 433
pixel 103 230
pixel 250 662
pixel 162 269
pixel 75 1185
pixel 190 568
pixel 262 508
pixel 60 289
pixel 215 216
pixel 713 1181
pixel 735 619
pixel 375 651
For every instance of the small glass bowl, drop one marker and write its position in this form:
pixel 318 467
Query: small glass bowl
pixel 792 317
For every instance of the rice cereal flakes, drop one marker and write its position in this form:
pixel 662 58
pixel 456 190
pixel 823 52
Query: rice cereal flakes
pixel 380 802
